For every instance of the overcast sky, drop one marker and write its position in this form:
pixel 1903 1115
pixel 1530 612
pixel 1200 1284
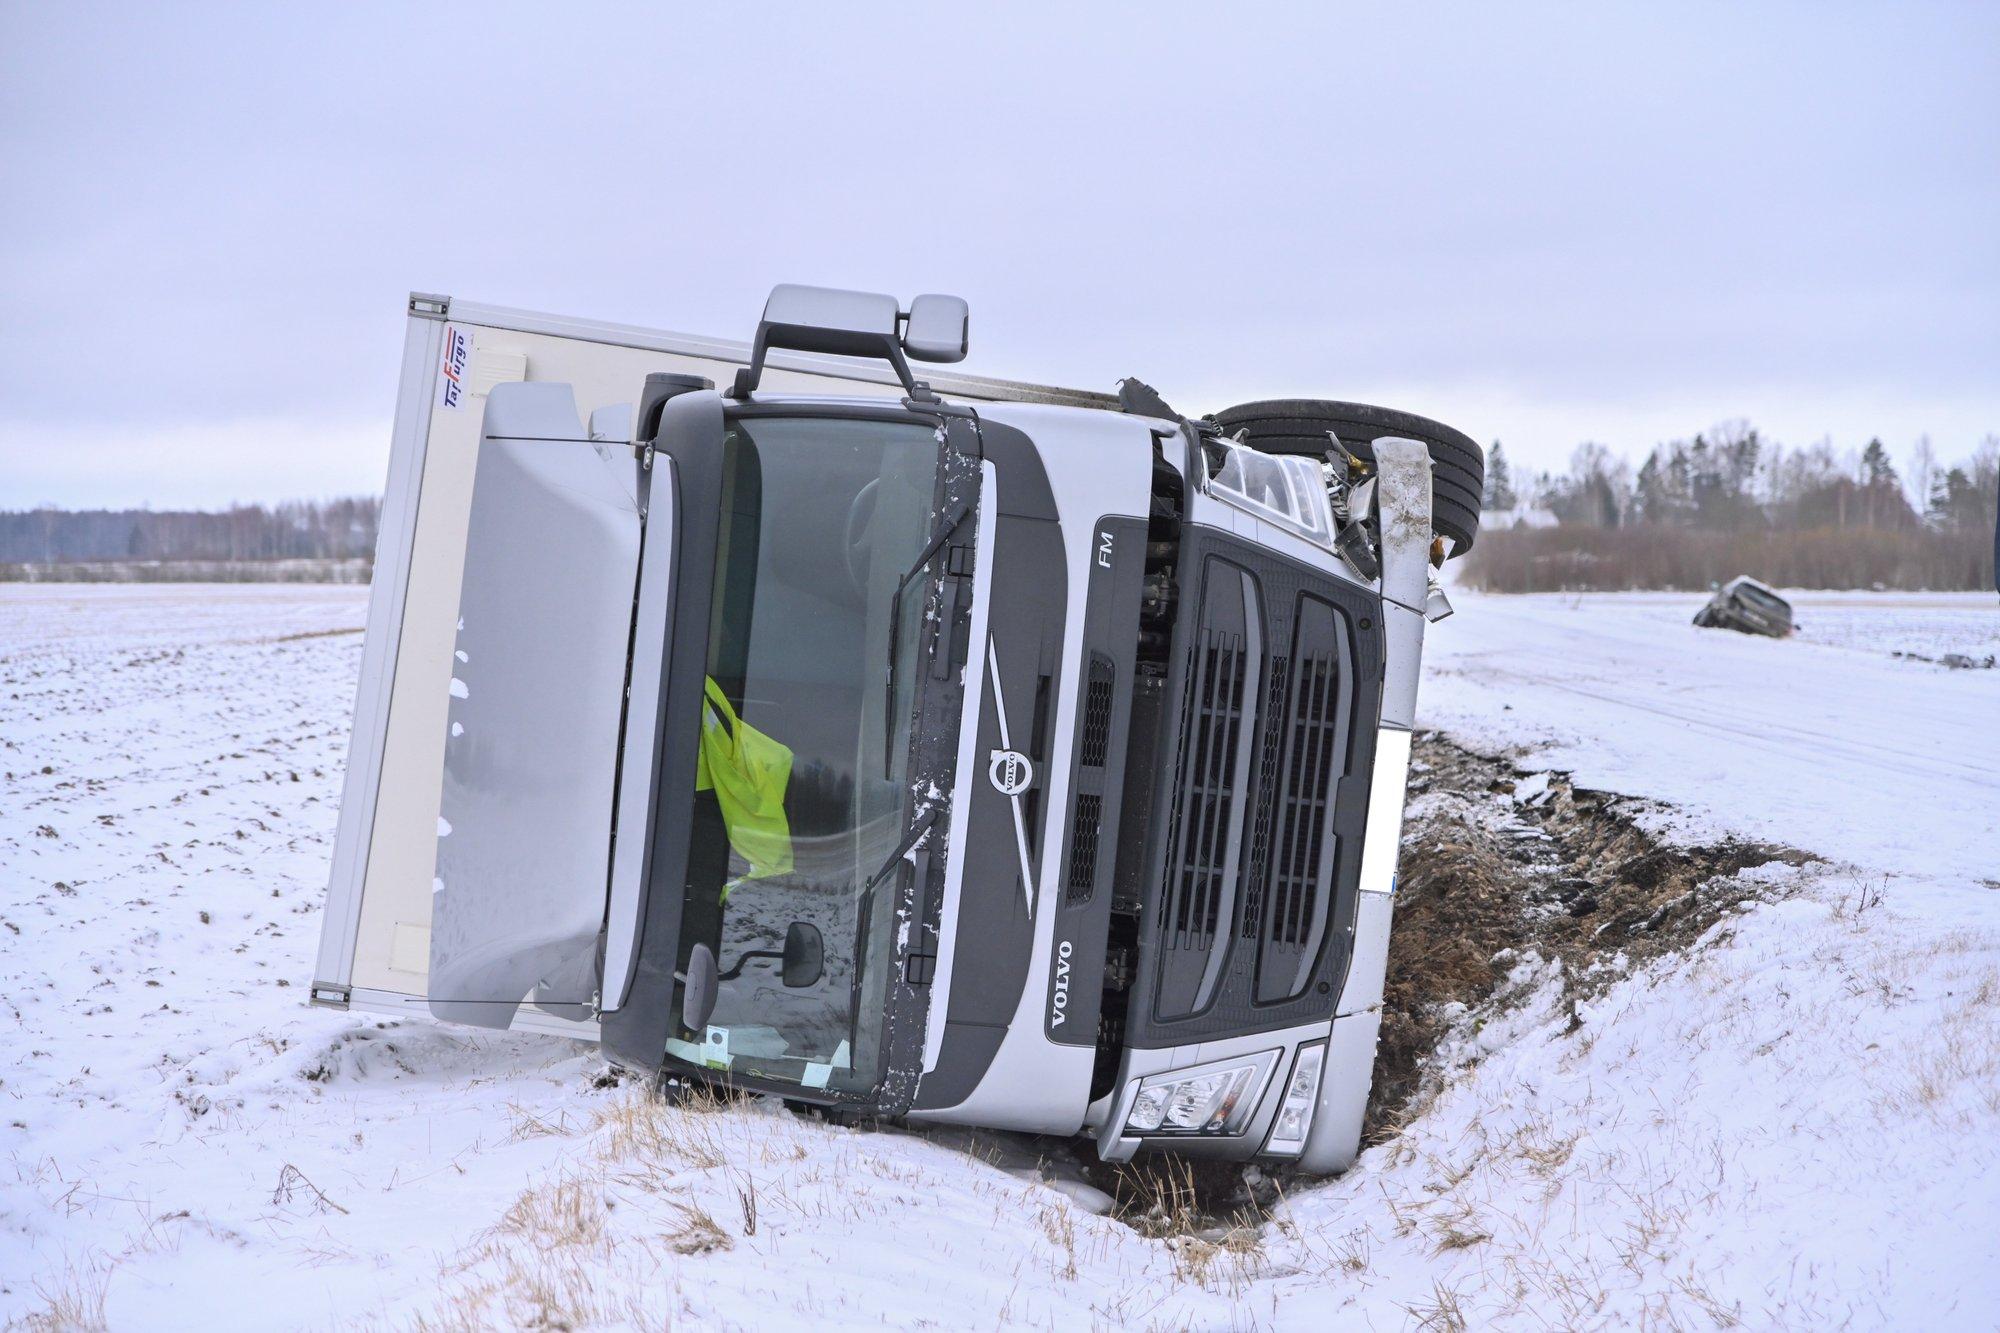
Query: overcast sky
pixel 1541 224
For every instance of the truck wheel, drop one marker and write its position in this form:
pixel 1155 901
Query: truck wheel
pixel 1300 426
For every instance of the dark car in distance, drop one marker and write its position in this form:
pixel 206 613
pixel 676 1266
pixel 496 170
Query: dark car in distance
pixel 1749 607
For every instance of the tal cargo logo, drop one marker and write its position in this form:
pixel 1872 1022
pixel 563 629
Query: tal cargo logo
pixel 457 357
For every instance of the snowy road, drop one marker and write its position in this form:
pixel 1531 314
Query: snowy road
pixel 1847 752
pixel 1794 1125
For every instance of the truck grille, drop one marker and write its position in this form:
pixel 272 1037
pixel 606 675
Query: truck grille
pixel 1300 808
pixel 1272 752
pixel 1096 714
pixel 1083 846
pixel 1308 790
pixel 1087 813
pixel 1255 773
pixel 1207 775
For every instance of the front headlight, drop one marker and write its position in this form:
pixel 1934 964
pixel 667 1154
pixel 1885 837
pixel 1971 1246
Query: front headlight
pixel 1212 1099
pixel 1295 1113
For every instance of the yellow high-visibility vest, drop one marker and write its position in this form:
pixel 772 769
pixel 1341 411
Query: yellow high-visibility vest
pixel 748 772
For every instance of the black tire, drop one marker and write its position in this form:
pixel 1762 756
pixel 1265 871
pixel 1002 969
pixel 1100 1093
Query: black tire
pixel 1300 426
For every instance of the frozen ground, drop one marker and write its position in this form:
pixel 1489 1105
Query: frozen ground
pixel 1845 751
pixel 1926 624
pixel 1797 1123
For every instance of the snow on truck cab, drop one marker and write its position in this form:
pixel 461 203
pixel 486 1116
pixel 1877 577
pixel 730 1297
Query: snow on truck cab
pixel 959 751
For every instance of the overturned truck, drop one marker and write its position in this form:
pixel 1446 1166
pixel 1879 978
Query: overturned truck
pixel 954 749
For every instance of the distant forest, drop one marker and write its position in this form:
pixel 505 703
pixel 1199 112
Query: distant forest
pixel 1694 512
pixel 282 541
pixel 1728 502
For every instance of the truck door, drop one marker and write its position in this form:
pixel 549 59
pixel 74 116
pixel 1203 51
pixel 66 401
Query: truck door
pixel 524 835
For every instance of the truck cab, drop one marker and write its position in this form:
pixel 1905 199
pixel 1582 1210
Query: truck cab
pixel 945 750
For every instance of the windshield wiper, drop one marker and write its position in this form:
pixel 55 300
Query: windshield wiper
pixel 866 897
pixel 945 529
pixel 914 836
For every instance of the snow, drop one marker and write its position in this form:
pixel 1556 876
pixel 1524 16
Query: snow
pixel 1796 1127
pixel 1795 1123
pixel 1888 765
pixel 1927 624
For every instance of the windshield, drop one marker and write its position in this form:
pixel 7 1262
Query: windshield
pixel 801 796
pixel 1760 600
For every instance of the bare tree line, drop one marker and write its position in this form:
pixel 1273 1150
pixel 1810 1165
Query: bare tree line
pixel 1694 512
pixel 1730 502
pixel 242 535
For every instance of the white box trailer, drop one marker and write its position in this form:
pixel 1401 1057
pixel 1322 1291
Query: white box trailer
pixel 1079 728
pixel 375 941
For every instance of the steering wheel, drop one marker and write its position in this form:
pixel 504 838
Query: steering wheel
pixel 856 548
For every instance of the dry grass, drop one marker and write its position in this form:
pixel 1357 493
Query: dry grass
pixel 1226 1261
pixel 652 1133
pixel 1352 1252
pixel 566 1214
pixel 72 1302
pixel 1442 1312
pixel 1059 1225
pixel 539 1293
pixel 294 1188
pixel 1954 1081
pixel 555 1260
pixel 698 1232
pixel 528 1125
pixel 1211 1222
pixel 1161 1197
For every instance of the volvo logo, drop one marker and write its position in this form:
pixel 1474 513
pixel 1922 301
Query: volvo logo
pixel 1010 772
pixel 1059 1003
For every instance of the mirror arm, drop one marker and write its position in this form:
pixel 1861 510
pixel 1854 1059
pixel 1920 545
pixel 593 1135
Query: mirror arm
pixel 843 323
pixel 888 346
pixel 737 970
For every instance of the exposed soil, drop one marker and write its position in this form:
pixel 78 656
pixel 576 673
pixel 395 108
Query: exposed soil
pixel 1495 864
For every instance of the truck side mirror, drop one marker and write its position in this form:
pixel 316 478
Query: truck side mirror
pixel 936 328
pixel 805 956
pixel 698 988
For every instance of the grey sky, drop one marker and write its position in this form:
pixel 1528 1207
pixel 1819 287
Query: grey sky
pixel 1541 224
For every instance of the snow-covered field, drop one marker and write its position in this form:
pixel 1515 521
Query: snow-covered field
pixel 1925 624
pixel 1795 1124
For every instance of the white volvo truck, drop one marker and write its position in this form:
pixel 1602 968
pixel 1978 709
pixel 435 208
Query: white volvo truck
pixel 960 751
